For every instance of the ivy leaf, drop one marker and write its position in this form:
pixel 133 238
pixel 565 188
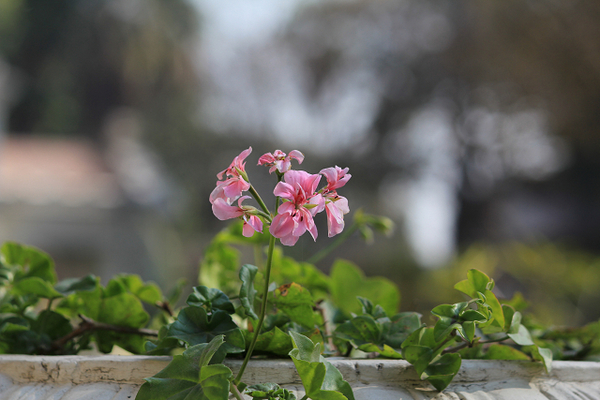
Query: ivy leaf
pixel 72 285
pixel 449 310
pixel 212 299
pixel 190 375
pixel 247 291
pixel 515 322
pixel 286 270
pixel 220 264
pixel 442 370
pixel 476 281
pixel 270 391
pixel 444 326
pixel 503 352
pixel 273 341
pixel 368 308
pixel 52 324
pixel 544 355
pixel 36 286
pixel 360 330
pixel 194 326
pixel 385 351
pixel 495 307
pixel 33 262
pixel 400 327
pixel 297 303
pixel 348 281
pixel 421 348
pixel 419 356
pixel 522 337
pixel 163 345
pixel 114 307
pixel 148 292
pixel 321 380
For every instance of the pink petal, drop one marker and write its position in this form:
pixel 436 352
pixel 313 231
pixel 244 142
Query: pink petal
pixel 224 211
pixel 285 191
pixel 282 225
pixel 252 224
pixel 295 154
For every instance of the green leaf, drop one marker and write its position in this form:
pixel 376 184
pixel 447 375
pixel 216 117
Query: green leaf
pixel 495 306
pixel 273 341
pixel 212 299
pixel 148 292
pixel 72 285
pixel 368 308
pixel 287 270
pixel 348 282
pixel 476 281
pixel 441 372
pixel 36 286
pixel 297 303
pixel 219 268
pixel 544 355
pixel 247 291
pixel 449 310
pixel 113 306
pixel 321 380
pixel 503 352
pixel 360 330
pixel 522 337
pixel 33 262
pixel 419 356
pixel 194 326
pixel 385 351
pixel 270 391
pixel 189 375
pixel 443 327
pixel 468 331
pixel 52 324
pixel 515 320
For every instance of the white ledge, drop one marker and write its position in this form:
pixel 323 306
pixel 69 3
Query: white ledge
pixel 119 377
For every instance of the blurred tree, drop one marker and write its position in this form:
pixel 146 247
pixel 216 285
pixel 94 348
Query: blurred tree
pixel 78 60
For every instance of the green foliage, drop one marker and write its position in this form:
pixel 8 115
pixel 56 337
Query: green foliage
pixel 38 313
pixel 37 316
pixel 247 291
pixel 348 281
pixel 374 331
pixel 270 391
pixel 190 375
pixel 321 380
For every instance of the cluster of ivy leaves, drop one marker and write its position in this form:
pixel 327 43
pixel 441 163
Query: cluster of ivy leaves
pixel 310 315
pixel 39 315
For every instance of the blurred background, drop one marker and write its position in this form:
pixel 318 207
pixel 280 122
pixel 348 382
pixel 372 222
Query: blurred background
pixel 473 125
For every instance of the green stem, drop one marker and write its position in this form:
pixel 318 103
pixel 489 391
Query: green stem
pixel 342 237
pixel 234 390
pixel 263 311
pixel 259 199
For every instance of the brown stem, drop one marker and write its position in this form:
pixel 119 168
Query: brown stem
pixel 165 306
pixel 326 326
pixel 89 325
pixel 467 344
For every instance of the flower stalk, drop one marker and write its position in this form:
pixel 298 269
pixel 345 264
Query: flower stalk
pixel 263 311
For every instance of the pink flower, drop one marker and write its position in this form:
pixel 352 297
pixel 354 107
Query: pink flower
pixel 279 161
pixel 223 211
pixel 236 181
pixel 335 207
pixel 336 177
pixel 295 214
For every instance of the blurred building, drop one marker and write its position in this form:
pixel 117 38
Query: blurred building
pixel 81 205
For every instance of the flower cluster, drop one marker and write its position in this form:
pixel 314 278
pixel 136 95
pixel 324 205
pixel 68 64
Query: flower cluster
pixel 301 198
